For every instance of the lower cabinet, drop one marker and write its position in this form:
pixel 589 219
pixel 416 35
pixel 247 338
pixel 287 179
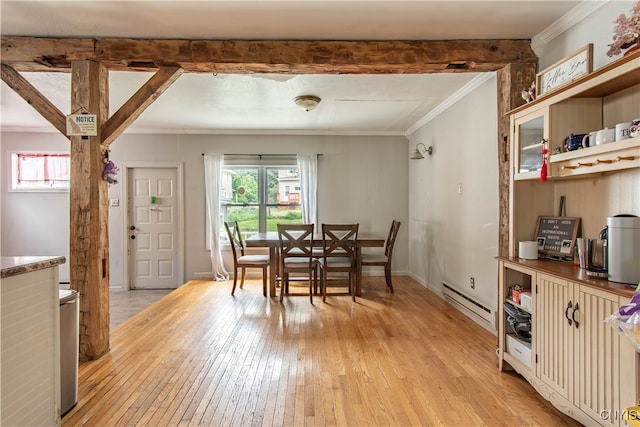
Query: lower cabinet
pixel 579 362
pixel 578 354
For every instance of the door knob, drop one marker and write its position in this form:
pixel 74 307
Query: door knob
pixel 132 237
pixel 133 227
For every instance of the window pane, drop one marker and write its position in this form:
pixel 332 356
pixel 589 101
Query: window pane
pixel 244 187
pixel 247 217
pixel 283 186
pixel 243 191
pixel 40 171
pixel 283 215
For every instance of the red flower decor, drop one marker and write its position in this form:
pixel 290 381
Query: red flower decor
pixel 626 33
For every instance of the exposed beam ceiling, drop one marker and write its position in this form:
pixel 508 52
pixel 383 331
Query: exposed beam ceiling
pixel 262 101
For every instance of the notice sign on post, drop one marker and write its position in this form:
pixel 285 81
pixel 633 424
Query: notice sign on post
pixel 82 124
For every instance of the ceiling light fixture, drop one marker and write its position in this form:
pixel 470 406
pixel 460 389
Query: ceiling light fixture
pixel 419 155
pixel 307 102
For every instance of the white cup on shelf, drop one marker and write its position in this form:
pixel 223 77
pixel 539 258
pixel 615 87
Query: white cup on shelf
pixel 622 131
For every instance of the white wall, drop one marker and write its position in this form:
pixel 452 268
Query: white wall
pixel 361 179
pixel 454 237
pixel 33 223
pixel 596 28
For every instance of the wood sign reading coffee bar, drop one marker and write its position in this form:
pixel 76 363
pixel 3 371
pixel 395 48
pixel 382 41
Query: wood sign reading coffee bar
pixel 557 235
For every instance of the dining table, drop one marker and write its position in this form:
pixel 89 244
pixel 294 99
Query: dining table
pixel 271 240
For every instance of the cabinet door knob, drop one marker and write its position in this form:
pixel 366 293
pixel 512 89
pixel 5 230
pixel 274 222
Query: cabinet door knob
pixel 566 312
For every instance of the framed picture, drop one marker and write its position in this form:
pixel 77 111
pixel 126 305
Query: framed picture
pixel 556 235
pixel 564 71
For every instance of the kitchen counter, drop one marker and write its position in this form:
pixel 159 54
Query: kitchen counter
pixel 569 271
pixel 14 265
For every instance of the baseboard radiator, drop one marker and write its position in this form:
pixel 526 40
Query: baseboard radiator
pixel 480 313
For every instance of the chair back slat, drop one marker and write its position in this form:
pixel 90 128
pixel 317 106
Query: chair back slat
pixel 235 238
pixel 339 239
pixel 391 239
pixel 296 240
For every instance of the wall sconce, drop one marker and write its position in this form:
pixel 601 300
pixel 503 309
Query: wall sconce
pixel 419 155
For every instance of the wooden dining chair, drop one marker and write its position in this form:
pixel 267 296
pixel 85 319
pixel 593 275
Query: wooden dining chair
pixel 384 260
pixel 339 255
pixel 296 256
pixel 240 260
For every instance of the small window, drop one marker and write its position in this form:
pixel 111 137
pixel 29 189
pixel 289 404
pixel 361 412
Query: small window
pixel 40 171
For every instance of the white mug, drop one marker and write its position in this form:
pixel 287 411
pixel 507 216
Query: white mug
pixel 605 135
pixel 622 131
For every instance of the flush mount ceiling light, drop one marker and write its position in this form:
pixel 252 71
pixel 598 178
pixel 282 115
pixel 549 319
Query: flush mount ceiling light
pixel 418 154
pixel 307 102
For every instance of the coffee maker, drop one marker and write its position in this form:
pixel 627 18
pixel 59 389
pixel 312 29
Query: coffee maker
pixel 601 271
pixel 605 249
pixel 623 242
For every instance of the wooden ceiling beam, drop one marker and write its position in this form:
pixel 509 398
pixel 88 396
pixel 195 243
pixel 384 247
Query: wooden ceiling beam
pixel 144 97
pixel 268 56
pixel 29 93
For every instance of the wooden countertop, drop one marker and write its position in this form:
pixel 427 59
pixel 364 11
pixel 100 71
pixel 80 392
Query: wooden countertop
pixel 12 266
pixel 569 271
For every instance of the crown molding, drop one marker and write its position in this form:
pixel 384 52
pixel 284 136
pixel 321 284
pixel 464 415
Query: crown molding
pixel 265 132
pixel 465 90
pixel 566 21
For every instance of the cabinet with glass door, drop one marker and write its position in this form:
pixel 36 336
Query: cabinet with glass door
pixel 548 127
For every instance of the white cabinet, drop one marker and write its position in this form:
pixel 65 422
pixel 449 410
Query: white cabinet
pixel 578 362
pixel 554 348
pixel 597 369
pixel 578 355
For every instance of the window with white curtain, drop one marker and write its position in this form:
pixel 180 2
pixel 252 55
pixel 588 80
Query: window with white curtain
pixel 40 171
pixel 260 197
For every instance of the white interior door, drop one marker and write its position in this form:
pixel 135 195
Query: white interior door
pixel 154 260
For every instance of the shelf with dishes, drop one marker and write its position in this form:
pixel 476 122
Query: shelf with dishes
pixel 608 157
pixel 600 101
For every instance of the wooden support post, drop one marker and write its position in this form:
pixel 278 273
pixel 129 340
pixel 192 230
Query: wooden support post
pixel 89 239
pixel 512 79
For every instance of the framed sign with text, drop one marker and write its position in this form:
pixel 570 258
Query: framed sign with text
pixel 556 235
pixel 576 65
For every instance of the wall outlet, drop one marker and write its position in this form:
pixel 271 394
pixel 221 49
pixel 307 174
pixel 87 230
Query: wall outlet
pixel 472 282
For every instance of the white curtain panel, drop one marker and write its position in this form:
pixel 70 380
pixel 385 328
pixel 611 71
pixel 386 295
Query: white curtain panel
pixel 213 172
pixel 308 165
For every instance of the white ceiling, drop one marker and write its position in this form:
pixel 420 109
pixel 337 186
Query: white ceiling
pixel 204 103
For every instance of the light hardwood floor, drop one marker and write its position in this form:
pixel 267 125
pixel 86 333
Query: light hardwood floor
pixel 201 357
